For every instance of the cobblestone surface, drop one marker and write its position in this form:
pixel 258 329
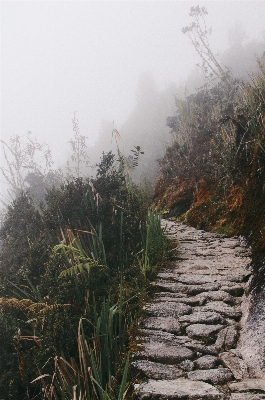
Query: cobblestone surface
pixel 190 334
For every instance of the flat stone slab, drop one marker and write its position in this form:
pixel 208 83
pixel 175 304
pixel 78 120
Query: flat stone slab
pixel 187 365
pixel 233 289
pixel 177 389
pixel 247 396
pixel 223 309
pixel 168 309
pixel 220 295
pixel 168 338
pixel 192 301
pixel 157 370
pixel 227 338
pixel 188 289
pixel 165 353
pixel 216 376
pixel 193 279
pixel 206 317
pixel 202 330
pixel 248 384
pixel 235 364
pixel 168 324
pixel 206 362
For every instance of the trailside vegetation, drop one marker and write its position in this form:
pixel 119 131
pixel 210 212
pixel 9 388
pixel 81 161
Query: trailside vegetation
pixel 213 172
pixel 74 273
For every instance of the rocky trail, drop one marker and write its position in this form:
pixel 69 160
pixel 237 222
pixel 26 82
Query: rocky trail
pixel 192 346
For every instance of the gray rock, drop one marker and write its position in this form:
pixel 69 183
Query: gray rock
pixel 188 289
pixel 157 370
pixel 187 365
pixel 207 317
pixel 252 336
pixel 247 396
pixel 220 295
pixel 248 384
pixel 202 348
pixel 168 324
pixel 216 376
pixel 192 301
pixel 177 389
pixel 235 364
pixel 173 296
pixel 233 289
pixel 226 338
pixel 159 336
pixel 196 289
pixel 223 309
pixel 202 330
pixel 220 341
pixel 165 353
pixel 168 309
pixel 231 337
pixel 206 362
pixel 194 279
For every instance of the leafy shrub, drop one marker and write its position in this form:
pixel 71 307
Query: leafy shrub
pixel 60 262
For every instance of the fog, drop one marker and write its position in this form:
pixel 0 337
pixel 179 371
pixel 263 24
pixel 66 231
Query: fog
pixel 116 64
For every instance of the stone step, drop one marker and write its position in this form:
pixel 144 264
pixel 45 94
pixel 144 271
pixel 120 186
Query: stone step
pixel 181 388
pixel 190 333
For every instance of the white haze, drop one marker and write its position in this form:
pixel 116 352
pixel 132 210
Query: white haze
pixel 110 61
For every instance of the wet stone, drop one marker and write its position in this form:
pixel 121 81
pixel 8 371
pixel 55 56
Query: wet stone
pixel 216 376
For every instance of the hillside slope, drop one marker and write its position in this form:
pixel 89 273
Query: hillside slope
pixel 213 173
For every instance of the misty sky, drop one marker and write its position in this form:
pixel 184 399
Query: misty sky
pixel 58 57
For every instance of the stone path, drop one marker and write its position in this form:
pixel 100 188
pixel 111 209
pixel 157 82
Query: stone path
pixel 190 334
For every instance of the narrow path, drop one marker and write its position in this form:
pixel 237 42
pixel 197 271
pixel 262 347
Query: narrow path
pixel 189 349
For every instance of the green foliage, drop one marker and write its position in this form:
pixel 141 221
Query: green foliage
pixel 218 144
pixel 203 144
pixel 24 241
pixel 95 374
pixel 154 244
pixel 59 262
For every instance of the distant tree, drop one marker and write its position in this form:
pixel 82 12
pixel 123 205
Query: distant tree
pixel 199 33
pixel 79 156
pixel 23 156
